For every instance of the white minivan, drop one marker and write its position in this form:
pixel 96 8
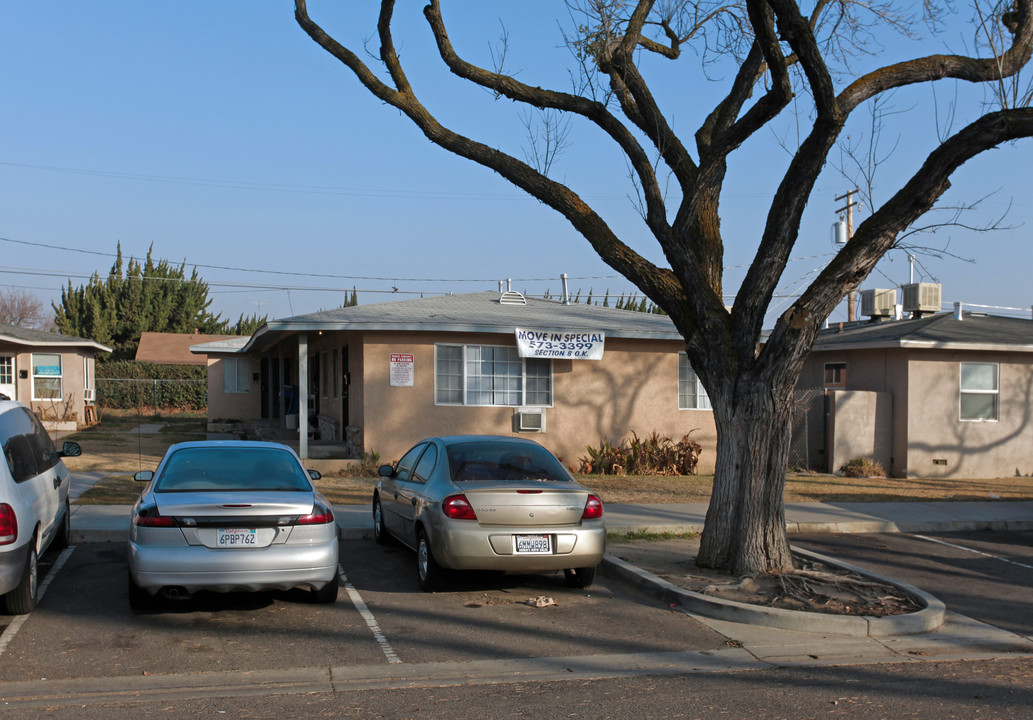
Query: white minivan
pixel 34 510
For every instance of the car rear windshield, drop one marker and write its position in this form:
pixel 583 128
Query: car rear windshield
pixel 234 469
pixel 503 461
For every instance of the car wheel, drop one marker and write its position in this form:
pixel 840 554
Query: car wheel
pixel 64 533
pixel 327 593
pixel 427 567
pixel 139 599
pixel 380 534
pixel 22 600
pixel 579 577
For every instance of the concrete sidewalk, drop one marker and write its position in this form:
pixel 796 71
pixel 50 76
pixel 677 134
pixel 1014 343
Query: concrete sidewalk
pixel 110 523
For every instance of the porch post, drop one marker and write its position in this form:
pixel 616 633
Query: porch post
pixel 303 395
pixel 282 399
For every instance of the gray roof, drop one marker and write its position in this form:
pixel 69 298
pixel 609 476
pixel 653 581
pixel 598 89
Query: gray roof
pixel 474 313
pixel 976 331
pixel 40 338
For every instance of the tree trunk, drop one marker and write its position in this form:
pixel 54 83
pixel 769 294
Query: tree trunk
pixel 745 530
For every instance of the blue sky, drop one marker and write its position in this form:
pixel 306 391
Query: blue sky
pixel 221 135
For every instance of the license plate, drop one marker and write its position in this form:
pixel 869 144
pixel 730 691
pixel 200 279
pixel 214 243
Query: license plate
pixel 533 544
pixel 237 537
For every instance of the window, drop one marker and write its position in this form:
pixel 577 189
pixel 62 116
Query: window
pixel 691 394
pixel 236 375
pixel 46 376
pixel 488 375
pixel 835 375
pixel 980 391
pixel 6 370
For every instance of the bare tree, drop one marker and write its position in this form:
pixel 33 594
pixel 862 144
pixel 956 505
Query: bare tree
pixel 22 308
pixel 783 58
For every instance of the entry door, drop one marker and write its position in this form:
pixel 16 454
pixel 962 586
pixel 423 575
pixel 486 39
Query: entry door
pixel 7 376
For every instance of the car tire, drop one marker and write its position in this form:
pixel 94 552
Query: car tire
pixel 139 599
pixel 64 533
pixel 380 534
pixel 328 593
pixel 429 572
pixel 22 600
pixel 579 578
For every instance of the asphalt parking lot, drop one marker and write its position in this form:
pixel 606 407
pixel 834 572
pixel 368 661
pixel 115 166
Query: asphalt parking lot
pixel 84 627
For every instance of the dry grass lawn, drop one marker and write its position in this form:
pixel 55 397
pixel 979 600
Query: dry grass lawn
pixel 117 449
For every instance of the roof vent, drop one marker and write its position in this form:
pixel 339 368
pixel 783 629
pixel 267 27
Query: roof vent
pixel 878 303
pixel 512 297
pixel 922 297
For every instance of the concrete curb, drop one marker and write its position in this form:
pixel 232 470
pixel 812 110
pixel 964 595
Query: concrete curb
pixel 925 620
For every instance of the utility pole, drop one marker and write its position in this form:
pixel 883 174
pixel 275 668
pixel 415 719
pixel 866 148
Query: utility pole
pixel 849 210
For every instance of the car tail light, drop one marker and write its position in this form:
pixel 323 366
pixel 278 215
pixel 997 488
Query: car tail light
pixel 593 508
pixel 150 517
pixel 458 507
pixel 8 524
pixel 319 516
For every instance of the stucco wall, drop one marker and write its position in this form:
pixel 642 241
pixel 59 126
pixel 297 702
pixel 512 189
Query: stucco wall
pixel 232 406
pixel 859 427
pixel 968 449
pixel 633 388
pixel 73 382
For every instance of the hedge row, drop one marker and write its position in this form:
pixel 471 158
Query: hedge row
pixel 130 385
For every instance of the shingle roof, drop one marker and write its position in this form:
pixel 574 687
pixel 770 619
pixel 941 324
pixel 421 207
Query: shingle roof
pixel 976 331
pixel 26 336
pixel 473 312
pixel 173 348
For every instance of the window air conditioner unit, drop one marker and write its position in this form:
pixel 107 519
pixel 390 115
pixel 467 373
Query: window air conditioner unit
pixel 922 297
pixel 878 303
pixel 530 419
pixel 89 394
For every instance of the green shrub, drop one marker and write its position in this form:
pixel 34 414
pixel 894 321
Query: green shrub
pixel 656 455
pixel 130 385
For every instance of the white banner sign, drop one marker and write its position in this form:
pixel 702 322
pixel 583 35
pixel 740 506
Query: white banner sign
pixel 401 370
pixel 573 344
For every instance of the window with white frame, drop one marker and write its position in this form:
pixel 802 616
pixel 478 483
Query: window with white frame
pixel 691 393
pixel 46 376
pixel 6 370
pixel 236 375
pixel 979 391
pixel 490 375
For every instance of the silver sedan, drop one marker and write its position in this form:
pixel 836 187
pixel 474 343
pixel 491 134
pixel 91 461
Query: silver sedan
pixel 479 502
pixel 231 515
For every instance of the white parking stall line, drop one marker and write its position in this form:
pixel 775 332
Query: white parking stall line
pixel 371 621
pixel 974 552
pixel 11 630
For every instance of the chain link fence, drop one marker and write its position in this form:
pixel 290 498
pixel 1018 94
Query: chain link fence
pixel 805 401
pixel 160 396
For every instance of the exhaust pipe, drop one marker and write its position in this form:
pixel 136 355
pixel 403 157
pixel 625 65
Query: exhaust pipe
pixel 174 592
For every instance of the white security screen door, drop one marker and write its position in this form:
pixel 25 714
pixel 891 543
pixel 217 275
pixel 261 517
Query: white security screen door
pixel 7 376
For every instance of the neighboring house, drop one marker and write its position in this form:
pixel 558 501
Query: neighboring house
pixel 945 395
pixel 52 373
pixel 173 348
pixel 380 377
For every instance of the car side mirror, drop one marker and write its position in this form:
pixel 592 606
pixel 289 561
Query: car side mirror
pixel 144 476
pixel 70 449
pixel 386 470
pixel 314 474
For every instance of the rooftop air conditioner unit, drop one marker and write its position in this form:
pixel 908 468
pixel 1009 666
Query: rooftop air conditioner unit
pixel 530 419
pixel 878 303
pixel 922 297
